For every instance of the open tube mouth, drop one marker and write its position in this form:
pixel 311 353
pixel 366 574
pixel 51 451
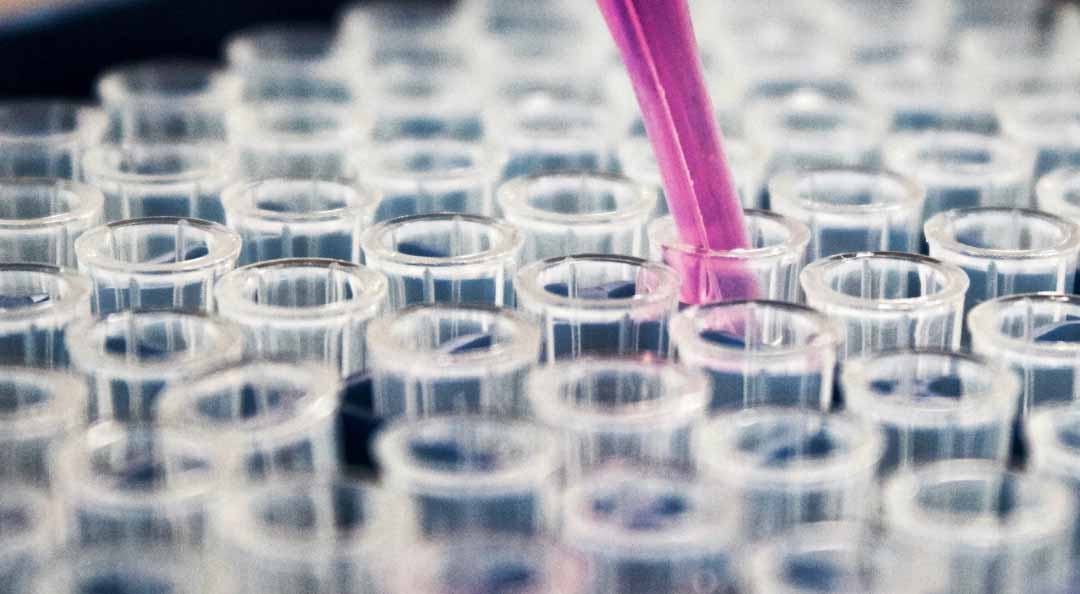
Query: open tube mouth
pixel 45 202
pixel 575 199
pixel 277 45
pixel 884 281
pixel 40 403
pixel 169 83
pixel 858 192
pixel 158 245
pixel 292 200
pixel 570 282
pixel 1003 233
pixel 441 240
pixel 944 158
pixel 50 121
pixel 151 165
pixel 31 291
pixel 1024 324
pixel 771 236
pixel 1059 192
pixel 766 330
pixel 403 164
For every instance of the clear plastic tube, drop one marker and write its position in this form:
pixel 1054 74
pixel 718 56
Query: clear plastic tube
pixel 462 475
pixel 155 180
pixel 431 176
pixel 40 219
pixel 1058 192
pixel 304 310
pixel 851 210
pixel 130 570
pixel 136 489
pixel 428 105
pixel 26 546
pixel 167 101
pixel 933 405
pixel 438 359
pixel 37 303
pixel 760 353
pixel 292 218
pixel 156 263
pixel 264 420
pixel 545 135
pixel 773 260
pixel 639 532
pixel 619 412
pixel 1051 434
pixel 786 468
pixel 1048 124
pixel 1006 251
pixel 322 536
pixel 129 358
pixel 47 138
pixel 888 300
pixel 591 305
pixel 971 527
pixel 445 258
pixel 38 410
pixel 963 170
pixel 1035 336
pixel 563 214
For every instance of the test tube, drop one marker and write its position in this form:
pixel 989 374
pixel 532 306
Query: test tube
pixel 293 218
pixel 773 259
pixel 852 210
pixel 437 359
pixel 963 170
pixel 297 140
pixel 38 410
pixel 787 467
pixel 26 544
pixel 156 263
pixel 37 302
pixel 1046 123
pixel 888 300
pixel 933 405
pixel 161 179
pixel 136 489
pixel 167 101
pixel 264 419
pixel 972 527
pixel 760 353
pixel 613 412
pixel 546 135
pixel 593 304
pixel 40 219
pixel 639 533
pixel 146 569
pixel 304 310
pixel 321 536
pixel 1058 192
pixel 1033 335
pixel 563 214
pixel 430 176
pixel 47 138
pixel 129 358
pixel 1006 251
pixel 445 258
pixel 464 475
pixel 428 105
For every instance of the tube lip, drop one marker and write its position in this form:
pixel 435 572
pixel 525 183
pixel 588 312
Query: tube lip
pixel 982 322
pixel 786 190
pixel 1006 160
pixel 1053 191
pixel 940 231
pixel 271 45
pixel 240 199
pixel 88 201
pixel 229 291
pixel 514 197
pixel 74 292
pixel 211 164
pixel 663 232
pixel 88 122
pixel 996 402
pixel 64 409
pixel 253 126
pixel 814 280
pixel 375 238
pixel 220 89
pixel 385 167
pixel 223 247
pixel 1049 454
pixel 665 290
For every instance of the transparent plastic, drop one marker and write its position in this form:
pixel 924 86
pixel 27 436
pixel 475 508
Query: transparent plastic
pixel 760 353
pixel 619 412
pixel 167 101
pixel 431 176
pixel 437 359
pixel 37 303
pixel 773 260
pixel 785 468
pixel 40 219
pixel 1046 123
pixel 592 305
pixel 972 527
pixel 291 218
pixel 1035 336
pixel 1059 193
pixel 304 310
pixel 445 258
pixel 142 569
pixel 963 170
pixel 563 214
pixel 642 533
pixel 129 358
pixel 159 180
pixel 888 300
pixel 38 410
pixel 415 103
pixel 136 489
pixel 26 545
pixel 47 138
pixel 264 420
pixel 1052 435
pixel 463 475
pixel 156 263
pixel 1006 251
pixel 546 135
pixel 933 405
pixel 851 210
